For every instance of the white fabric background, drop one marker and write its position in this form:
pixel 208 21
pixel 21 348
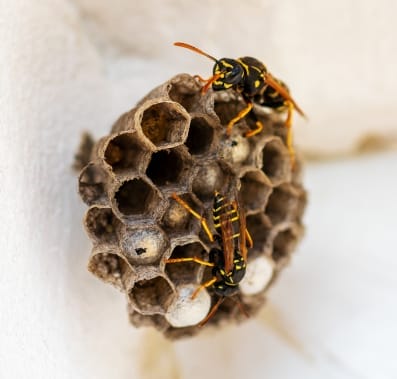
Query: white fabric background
pixel 66 66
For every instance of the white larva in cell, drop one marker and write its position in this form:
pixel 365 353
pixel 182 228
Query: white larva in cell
pixel 257 276
pixel 185 311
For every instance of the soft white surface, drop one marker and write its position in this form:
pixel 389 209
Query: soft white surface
pixel 338 56
pixel 258 275
pixel 185 311
pixel 338 298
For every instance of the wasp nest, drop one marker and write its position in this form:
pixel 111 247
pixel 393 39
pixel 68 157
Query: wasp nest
pixel 174 141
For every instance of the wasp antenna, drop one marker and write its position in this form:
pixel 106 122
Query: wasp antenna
pixel 195 49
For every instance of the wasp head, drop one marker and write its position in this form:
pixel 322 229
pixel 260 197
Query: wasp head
pixel 229 73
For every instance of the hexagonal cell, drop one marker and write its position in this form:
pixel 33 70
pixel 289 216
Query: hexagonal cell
pixel 164 123
pixel 136 197
pixel 255 190
pixel 284 243
pixel 176 219
pixel 185 91
pixel 260 228
pixel 286 203
pixel 258 275
pixel 124 152
pixel 143 244
pixel 110 267
pixel 200 137
pixel 186 311
pixel 276 163
pixel 186 272
pixel 150 296
pixel 102 224
pixel 210 177
pixel 227 110
pixel 263 116
pixel 92 184
pixel 166 167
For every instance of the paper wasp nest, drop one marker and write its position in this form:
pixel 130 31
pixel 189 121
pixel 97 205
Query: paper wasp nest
pixel 174 141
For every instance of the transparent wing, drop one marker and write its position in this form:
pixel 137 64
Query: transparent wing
pixel 227 241
pixel 272 82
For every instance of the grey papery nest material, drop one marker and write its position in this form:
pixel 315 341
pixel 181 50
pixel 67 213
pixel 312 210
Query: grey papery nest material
pixel 174 141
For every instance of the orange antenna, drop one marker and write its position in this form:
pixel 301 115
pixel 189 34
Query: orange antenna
pixel 195 49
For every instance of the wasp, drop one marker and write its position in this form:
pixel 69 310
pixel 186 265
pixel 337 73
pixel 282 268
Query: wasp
pixel 250 78
pixel 229 258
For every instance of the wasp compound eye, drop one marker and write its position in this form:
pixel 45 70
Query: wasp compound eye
pixel 173 145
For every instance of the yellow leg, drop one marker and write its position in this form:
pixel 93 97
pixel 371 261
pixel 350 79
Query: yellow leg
pixel 240 115
pixel 250 243
pixel 190 259
pixel 212 312
pixel 207 284
pixel 254 132
pixel 195 214
pixel 288 124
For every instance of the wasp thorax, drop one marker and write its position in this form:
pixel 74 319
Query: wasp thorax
pixel 173 145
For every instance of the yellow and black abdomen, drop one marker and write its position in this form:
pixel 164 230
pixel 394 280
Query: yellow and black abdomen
pixel 273 99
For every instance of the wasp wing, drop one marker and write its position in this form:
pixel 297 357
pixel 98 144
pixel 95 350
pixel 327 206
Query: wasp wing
pixel 272 82
pixel 227 241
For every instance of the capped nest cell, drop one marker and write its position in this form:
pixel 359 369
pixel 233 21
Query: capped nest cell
pixel 174 142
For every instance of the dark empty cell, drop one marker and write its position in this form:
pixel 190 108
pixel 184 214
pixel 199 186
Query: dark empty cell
pixel 163 123
pixel 188 99
pixel 275 160
pixel 102 224
pixel 91 184
pixel 200 136
pixel 123 152
pixel 283 244
pixel 259 228
pixel 153 295
pixel 185 271
pixel 279 205
pixel 227 111
pixel 254 190
pixel 134 197
pixel 286 203
pixel 165 167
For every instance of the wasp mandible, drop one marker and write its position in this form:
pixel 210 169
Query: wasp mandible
pixel 229 259
pixel 253 81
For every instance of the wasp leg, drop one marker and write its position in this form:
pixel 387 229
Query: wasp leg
pixel 207 284
pixel 212 312
pixel 250 243
pixel 288 124
pixel 240 115
pixel 254 132
pixel 195 214
pixel 241 307
pixel 190 259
